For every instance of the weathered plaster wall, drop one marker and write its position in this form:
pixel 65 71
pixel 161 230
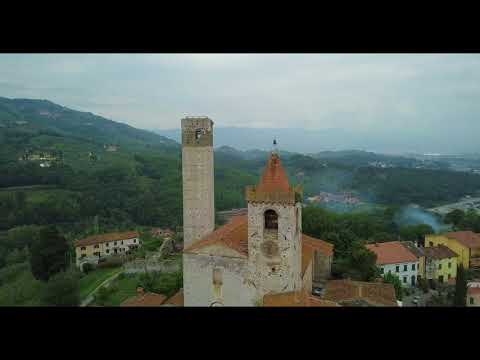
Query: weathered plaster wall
pixel 200 290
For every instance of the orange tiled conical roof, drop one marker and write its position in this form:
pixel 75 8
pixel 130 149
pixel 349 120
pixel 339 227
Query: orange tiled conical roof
pixel 274 177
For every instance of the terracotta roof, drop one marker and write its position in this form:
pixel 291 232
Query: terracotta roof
pixel 115 236
pixel 466 238
pixel 145 299
pixel 324 247
pixel 439 252
pixel 176 299
pixel 416 250
pixel 274 178
pixel 347 291
pixel 296 298
pixel 234 234
pixel 392 252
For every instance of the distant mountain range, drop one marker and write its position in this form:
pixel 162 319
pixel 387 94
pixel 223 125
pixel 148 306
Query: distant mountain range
pixel 308 141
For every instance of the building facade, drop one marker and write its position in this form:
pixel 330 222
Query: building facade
pixel 440 264
pixel 473 293
pixel 95 247
pixel 466 244
pixel 394 257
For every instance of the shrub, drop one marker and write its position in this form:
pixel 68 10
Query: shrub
pixel 87 267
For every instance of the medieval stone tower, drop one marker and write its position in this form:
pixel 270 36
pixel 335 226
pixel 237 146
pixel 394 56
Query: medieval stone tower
pixel 197 173
pixel 274 232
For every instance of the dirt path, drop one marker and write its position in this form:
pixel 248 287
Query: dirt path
pixel 105 282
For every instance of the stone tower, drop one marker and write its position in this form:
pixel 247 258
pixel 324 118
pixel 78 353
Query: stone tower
pixel 274 232
pixel 197 173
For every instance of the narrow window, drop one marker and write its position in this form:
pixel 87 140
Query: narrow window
pixel 439 266
pixel 404 279
pixel 449 265
pixel 413 266
pixel 96 246
pixel 271 219
pixel 431 243
pixel 397 269
pixel 83 248
pixel 134 240
pixel 217 276
pixel 381 270
pixel 471 301
pixel 405 268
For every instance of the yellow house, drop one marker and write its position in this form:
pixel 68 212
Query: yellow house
pixel 464 243
pixel 440 264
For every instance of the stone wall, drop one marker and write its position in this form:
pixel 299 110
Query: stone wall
pixel 279 270
pixel 198 180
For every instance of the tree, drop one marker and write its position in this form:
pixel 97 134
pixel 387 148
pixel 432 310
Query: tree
pixel 454 217
pixel 390 278
pixel 62 289
pixel 460 287
pixel 49 254
pixel 358 264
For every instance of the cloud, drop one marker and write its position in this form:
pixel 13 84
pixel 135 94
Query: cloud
pixel 401 93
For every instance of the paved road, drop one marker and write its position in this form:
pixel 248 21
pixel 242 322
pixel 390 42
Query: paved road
pixel 106 282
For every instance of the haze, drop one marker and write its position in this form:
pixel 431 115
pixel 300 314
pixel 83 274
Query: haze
pixel 405 102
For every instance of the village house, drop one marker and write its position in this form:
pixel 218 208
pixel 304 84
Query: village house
pixel 473 293
pixel 95 247
pixel 466 244
pixel 394 257
pixel 440 264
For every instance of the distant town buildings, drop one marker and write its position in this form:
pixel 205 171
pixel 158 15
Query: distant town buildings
pixel 111 147
pixel 95 247
pixel 346 198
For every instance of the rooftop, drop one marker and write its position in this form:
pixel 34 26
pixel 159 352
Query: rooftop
pixel 466 238
pixel 145 299
pixel 101 238
pixel 175 300
pixel 439 252
pixel 347 292
pixel 392 252
pixel 296 298
pixel 274 178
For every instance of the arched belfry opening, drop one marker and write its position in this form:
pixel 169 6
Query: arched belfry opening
pixel 271 220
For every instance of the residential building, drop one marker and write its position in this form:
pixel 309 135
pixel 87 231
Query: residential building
pixel 419 252
pixel 440 264
pixel 92 248
pixel 473 293
pixel 396 258
pixel 466 244
pixel 359 293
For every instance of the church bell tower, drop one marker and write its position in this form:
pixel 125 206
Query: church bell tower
pixel 274 231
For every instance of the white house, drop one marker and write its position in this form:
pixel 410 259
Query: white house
pixel 396 258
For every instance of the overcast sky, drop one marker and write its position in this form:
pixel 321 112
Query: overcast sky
pixel 399 92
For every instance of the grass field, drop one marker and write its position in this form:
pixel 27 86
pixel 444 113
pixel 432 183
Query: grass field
pixel 92 280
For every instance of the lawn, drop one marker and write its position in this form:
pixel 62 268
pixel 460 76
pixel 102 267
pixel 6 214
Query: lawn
pixel 125 286
pixel 89 282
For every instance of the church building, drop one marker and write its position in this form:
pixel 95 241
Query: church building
pixel 255 259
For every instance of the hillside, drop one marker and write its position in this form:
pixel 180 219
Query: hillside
pixel 42 125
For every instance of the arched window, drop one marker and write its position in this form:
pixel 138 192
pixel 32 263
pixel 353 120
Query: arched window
pixel 271 219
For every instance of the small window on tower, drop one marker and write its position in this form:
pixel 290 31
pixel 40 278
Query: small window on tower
pixel 198 134
pixel 217 276
pixel 271 219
